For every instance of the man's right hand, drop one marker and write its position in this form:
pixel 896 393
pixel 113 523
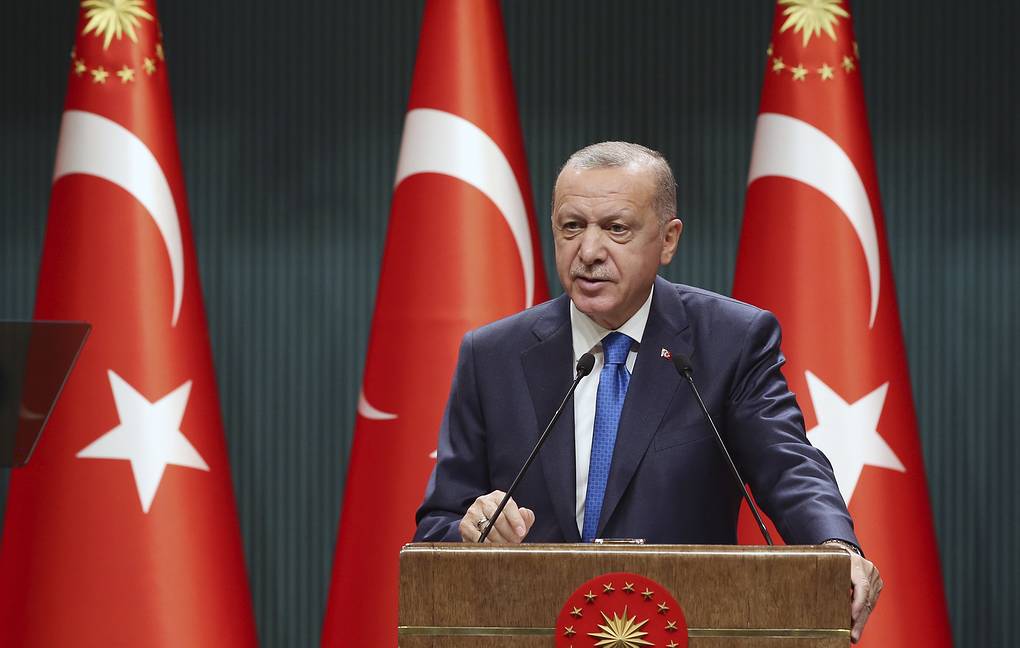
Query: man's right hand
pixel 511 527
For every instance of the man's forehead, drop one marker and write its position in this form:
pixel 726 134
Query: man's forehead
pixel 630 184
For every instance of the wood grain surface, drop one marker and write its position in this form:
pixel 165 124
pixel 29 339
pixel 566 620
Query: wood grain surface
pixel 732 596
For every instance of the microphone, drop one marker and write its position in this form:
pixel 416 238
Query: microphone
pixel 683 367
pixel 584 367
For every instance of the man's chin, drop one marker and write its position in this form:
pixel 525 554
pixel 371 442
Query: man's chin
pixel 597 307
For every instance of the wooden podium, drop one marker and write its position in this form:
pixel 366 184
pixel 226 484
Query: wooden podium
pixel 454 595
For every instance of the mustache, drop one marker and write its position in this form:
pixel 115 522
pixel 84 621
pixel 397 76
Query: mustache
pixel 592 273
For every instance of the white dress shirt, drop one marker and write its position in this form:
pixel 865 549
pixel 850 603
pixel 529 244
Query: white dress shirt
pixel 587 336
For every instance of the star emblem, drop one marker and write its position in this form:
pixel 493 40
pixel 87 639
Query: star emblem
pixel 149 65
pixel 799 72
pixel 109 18
pixel 99 75
pixel 639 613
pixel 778 65
pixel 672 644
pixel 569 631
pixel 847 433
pixel 608 588
pixel 621 632
pixel 825 72
pixel 812 17
pixel 126 74
pixel 848 64
pixel 148 436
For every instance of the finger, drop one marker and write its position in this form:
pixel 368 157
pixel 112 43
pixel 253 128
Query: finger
pixel 858 628
pixel 861 582
pixel 501 533
pixel 860 608
pixel 514 520
pixel 506 529
pixel 874 589
pixel 467 530
pixel 496 536
pixel 860 600
pixel 474 520
pixel 468 526
pixel 529 518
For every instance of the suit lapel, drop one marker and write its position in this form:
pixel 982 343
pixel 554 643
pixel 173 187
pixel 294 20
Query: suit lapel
pixel 548 369
pixel 652 385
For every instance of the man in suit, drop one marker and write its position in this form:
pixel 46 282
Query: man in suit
pixel 633 457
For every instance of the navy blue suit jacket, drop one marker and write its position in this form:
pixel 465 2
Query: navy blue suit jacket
pixel 668 482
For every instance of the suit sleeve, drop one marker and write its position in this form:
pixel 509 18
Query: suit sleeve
pixel 791 479
pixel 461 472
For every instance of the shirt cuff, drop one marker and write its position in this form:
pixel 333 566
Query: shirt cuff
pixel 846 544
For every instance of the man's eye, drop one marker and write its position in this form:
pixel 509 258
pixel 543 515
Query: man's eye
pixel 617 228
pixel 571 226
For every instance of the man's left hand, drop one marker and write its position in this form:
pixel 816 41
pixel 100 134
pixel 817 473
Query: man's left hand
pixel 866 584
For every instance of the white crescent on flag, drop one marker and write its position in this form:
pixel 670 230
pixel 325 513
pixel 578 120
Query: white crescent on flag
pixel 436 141
pixel 791 148
pixel 440 142
pixel 94 145
pixel 366 410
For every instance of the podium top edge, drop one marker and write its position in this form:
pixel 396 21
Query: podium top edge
pixel 569 548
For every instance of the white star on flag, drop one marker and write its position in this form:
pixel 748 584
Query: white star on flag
pixel 148 436
pixel 848 433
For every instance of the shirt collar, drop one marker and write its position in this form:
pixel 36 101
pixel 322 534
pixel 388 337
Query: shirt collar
pixel 587 334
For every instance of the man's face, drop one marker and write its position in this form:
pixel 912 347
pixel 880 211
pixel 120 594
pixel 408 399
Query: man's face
pixel 609 241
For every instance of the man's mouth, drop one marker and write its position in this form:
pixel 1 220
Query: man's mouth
pixel 589 283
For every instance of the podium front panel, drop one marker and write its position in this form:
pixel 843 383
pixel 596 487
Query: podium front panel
pixel 454 594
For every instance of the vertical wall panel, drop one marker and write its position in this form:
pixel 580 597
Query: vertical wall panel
pixel 289 120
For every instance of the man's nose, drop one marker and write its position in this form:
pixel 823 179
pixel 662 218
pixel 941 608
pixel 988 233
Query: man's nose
pixel 593 248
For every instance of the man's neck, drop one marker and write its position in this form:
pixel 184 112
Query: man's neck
pixel 587 332
pixel 618 322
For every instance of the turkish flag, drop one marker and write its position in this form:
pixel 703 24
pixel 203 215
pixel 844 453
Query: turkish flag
pixel 813 250
pixel 461 251
pixel 122 530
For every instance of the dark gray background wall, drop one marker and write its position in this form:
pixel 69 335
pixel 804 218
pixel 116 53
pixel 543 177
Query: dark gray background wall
pixel 289 118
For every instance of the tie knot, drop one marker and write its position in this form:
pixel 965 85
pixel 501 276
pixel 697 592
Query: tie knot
pixel 616 346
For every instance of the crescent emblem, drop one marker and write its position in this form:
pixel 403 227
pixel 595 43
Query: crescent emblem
pixel 366 409
pixel 94 145
pixel 435 141
pixel 791 148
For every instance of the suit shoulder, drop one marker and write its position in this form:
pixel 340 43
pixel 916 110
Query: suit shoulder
pixel 521 325
pixel 721 317
pixel 701 299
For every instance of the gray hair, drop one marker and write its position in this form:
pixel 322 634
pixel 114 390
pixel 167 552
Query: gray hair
pixel 620 154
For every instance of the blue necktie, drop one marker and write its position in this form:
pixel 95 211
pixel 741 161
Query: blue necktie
pixel 613 383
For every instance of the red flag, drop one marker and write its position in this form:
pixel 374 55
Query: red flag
pixel 122 530
pixel 462 250
pixel 813 250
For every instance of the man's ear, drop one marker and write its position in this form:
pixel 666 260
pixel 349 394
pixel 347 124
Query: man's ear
pixel 674 229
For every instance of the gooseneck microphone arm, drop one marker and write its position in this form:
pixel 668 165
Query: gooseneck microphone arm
pixel 584 367
pixel 683 367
